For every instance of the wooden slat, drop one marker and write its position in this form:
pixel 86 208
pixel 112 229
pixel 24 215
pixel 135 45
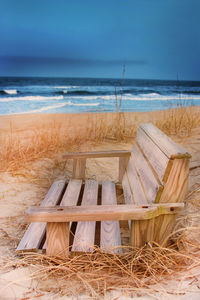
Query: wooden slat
pixel 85 231
pixel 97 154
pixel 123 162
pixel 100 212
pixel 72 192
pixel 110 230
pixel 70 197
pixel 35 233
pixel 168 147
pixel 128 197
pixel 152 188
pixel 156 157
pixel 135 185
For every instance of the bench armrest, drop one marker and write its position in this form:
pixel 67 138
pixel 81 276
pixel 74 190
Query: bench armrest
pixel 100 212
pixel 97 154
pixel 79 160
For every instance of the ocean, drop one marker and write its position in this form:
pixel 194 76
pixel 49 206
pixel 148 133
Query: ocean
pixel 78 95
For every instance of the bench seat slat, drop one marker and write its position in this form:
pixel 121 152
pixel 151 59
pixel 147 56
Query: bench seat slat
pixel 149 182
pixel 110 230
pixel 72 192
pixel 34 235
pixel 85 231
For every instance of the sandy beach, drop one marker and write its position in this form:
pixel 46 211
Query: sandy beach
pixel 25 183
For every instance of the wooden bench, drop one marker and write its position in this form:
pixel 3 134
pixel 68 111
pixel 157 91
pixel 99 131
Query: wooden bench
pixel 154 180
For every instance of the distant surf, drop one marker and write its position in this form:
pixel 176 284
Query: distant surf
pixel 75 95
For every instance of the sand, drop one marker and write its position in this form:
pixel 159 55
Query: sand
pixel 28 187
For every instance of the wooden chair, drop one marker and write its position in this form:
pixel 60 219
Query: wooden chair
pixel 154 178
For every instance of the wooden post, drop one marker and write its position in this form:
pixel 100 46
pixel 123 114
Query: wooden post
pixel 58 239
pixel 123 162
pixel 163 228
pixel 79 168
pixel 142 232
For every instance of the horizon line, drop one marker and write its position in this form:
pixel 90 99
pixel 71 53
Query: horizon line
pixel 101 78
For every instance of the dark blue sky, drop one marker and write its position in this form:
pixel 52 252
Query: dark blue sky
pixel 94 38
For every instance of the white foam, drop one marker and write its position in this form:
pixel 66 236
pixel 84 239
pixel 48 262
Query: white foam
pixel 65 87
pixel 82 104
pixel 41 109
pixel 11 92
pixel 31 98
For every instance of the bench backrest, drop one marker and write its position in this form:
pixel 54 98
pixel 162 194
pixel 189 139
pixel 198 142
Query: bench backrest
pixel 157 170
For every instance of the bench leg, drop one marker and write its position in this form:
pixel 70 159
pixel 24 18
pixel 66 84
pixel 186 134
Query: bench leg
pixel 142 232
pixel 163 228
pixel 58 239
pixel 79 168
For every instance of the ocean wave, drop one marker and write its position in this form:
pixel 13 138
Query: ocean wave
pixel 149 97
pixel 78 92
pixel 46 108
pixel 41 109
pixel 8 92
pixel 31 98
pixel 191 92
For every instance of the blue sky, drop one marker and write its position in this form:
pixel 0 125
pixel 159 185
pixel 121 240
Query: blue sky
pixel 155 39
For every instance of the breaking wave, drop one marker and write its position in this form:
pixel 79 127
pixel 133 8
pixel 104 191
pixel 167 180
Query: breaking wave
pixel 31 98
pixel 41 109
pixel 8 92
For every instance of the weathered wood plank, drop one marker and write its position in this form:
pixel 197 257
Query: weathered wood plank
pixel 123 162
pixel 79 166
pixel 72 192
pixel 152 188
pixel 110 230
pixel 57 239
pixel 100 212
pixel 177 184
pixel 128 196
pixel 35 233
pixel 167 145
pixel 135 185
pixel 97 154
pixel 156 157
pixel 85 231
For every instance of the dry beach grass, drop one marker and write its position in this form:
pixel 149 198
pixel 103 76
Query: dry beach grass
pixel 31 160
pixel 52 138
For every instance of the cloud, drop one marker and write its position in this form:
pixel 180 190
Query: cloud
pixel 56 61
